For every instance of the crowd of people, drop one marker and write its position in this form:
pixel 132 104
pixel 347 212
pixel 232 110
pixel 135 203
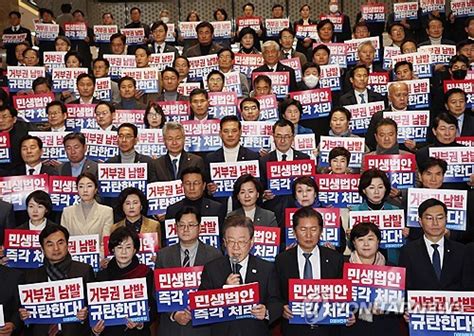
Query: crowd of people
pixel 435 257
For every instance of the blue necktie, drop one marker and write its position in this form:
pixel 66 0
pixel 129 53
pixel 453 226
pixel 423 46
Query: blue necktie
pixel 308 268
pixel 362 98
pixel 436 261
pixel 175 168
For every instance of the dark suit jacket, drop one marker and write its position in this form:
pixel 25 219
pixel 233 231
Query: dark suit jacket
pixel 281 67
pixel 139 158
pixel 214 276
pixel 195 50
pixel 78 101
pixel 272 156
pixel 78 270
pixel 19 130
pixel 179 97
pixel 11 58
pixel 21 170
pixel 349 98
pixel 7 218
pixel 443 41
pixel 26 225
pixel 10 279
pixel 89 166
pixel 169 257
pixel 286 264
pixel 163 167
pixel 263 217
pixel 370 135
pixel 468 124
pixel 420 274
pixel 168 48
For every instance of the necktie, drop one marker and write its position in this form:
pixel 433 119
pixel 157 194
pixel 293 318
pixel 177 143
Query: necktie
pixel 238 267
pixel 283 157
pixel 308 268
pixel 362 98
pixel 436 261
pixel 31 171
pixel 158 49
pixel 53 330
pixel 187 260
pixel 287 55
pixel 459 130
pixel 175 168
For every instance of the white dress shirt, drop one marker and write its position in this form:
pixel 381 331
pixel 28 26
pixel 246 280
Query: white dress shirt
pixel 430 249
pixel 314 259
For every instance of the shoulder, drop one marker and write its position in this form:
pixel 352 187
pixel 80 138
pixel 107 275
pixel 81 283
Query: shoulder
pixel 216 263
pixel 330 254
pixel 282 258
pixel 300 155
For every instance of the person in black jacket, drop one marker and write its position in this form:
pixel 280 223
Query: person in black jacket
pixel 14 29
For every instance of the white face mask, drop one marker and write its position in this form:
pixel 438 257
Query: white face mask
pixel 311 81
pixel 333 8
pixel 165 19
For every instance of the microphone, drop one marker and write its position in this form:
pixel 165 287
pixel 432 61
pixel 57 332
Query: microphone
pixel 234 261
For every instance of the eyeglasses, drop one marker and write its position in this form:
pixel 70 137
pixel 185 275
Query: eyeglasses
pixel 250 108
pixel 240 243
pixel 153 115
pixel 187 225
pixel 283 137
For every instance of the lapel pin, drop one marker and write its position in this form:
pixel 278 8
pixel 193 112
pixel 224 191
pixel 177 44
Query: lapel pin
pixel 254 270
pixel 327 260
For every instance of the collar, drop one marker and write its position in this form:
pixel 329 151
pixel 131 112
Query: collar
pixel 244 263
pixel 172 157
pixel 289 152
pixel 359 92
pixel 397 110
pixel 79 163
pixel 429 242
pixel 37 167
pixel 82 101
pixel 39 227
pixel 192 249
pixel 314 252
pixel 231 150
pixel 59 129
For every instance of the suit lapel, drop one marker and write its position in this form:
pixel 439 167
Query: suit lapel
pixel 446 260
pixel 426 259
pixel 169 165
pixel 176 256
pixel 252 271
pixel 241 156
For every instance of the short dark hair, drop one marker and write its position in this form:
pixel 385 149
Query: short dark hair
pixel 85 75
pixel 244 179
pixel 238 221
pixel 75 136
pixel 447 118
pixel 452 91
pixel 205 24
pixel 43 11
pixel 159 23
pixel 215 72
pixel 196 92
pixel 16 13
pixel 193 170
pixel 121 36
pixel 359 24
pixel 307 212
pixel 395 24
pixel 402 63
pixel 249 4
pixel 181 57
pixel 433 162
pixel 170 69
pixel 278 6
pixel 49 230
pixel 249 99
pixel 147 50
pixel 127 78
pixel 263 78
pixel 308 65
pixel 123 196
pixel 362 230
pixel 41 197
pixel 288 30
pixel 341 109
pixel 283 123
pixel 107 13
pixel 34 138
pixel 320 47
pixel 287 103
pixel 135 8
pixel 305 180
pixel 386 122
pixel 62 38
pixel 248 30
pixel 74 53
pixel 454 59
pixel 122 233
pixel 158 109
pixel 366 180
pixel 33 50
pixel 431 202
pixel 223 11
pixel 408 40
pixel 133 127
pixel 434 18
pixel 78 11
pixel 41 80
pixel 324 22
pixel 106 103
pixel 101 59
pixel 56 103
pixel 339 151
pixel 9 108
pixel 230 118
pixel 187 210
pixel 232 55
pixel 66 8
pixel 356 67
pixel 90 176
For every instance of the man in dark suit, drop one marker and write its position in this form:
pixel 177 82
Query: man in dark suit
pixel 58 265
pixel 171 165
pixel 170 78
pixel 433 262
pixel 188 221
pixel 359 78
pixel 15 29
pixel 76 148
pixel 398 101
pixel 9 297
pixel 435 30
pixel 57 116
pixel 455 103
pixel 306 261
pixel 271 57
pixel 31 152
pixel 205 46
pixel 135 16
pixel 199 101
pixel 83 46
pixel 159 31
pixel 85 86
pixel 7 218
pixel 231 151
pixel 194 186
pixel 127 139
pixel 238 238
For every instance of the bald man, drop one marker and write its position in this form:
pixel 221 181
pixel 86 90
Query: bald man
pixel 398 101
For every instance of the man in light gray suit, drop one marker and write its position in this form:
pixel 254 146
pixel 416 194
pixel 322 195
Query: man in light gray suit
pixel 76 148
pixel 189 252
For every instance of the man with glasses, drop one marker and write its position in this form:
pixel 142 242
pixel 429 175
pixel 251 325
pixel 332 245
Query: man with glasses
pixel 189 252
pixel 170 79
pixel 240 267
pixel 194 186
pixel 306 260
pixel 226 63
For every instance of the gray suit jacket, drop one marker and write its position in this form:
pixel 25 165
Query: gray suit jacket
pixel 263 217
pixel 169 257
pixel 89 166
